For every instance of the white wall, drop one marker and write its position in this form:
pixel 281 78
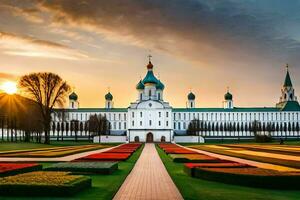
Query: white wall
pixel 110 139
pixel 188 139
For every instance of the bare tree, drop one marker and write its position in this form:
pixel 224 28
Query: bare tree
pixel 48 90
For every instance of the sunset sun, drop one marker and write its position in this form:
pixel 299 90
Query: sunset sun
pixel 9 87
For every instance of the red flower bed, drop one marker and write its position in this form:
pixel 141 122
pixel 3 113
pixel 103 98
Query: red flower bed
pixel 120 153
pixel 106 157
pixel 175 149
pixel 7 169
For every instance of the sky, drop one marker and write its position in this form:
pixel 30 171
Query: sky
pixel 200 45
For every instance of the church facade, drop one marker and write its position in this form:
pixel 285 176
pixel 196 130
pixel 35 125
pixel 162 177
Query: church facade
pixel 151 118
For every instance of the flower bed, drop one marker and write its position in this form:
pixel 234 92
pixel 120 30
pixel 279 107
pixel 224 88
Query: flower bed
pixel 282 162
pixel 43 184
pixel 54 152
pixel 251 176
pixel 8 169
pixel 175 149
pixel 119 153
pixel 196 158
pixel 85 167
pixel 189 168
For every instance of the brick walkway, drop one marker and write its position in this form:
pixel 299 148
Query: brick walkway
pixel 149 179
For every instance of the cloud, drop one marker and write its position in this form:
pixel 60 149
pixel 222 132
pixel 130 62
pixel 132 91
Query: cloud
pixel 20 45
pixel 198 30
pixel 7 76
pixel 30 14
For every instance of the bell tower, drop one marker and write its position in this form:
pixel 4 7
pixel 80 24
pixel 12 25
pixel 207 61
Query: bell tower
pixel 287 91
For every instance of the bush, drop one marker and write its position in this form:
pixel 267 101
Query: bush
pixel 252 177
pixel 9 169
pixel 263 138
pixel 43 184
pixel 85 167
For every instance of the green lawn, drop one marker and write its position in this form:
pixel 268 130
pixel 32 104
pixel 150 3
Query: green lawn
pixel 8 146
pixel 104 186
pixel 194 188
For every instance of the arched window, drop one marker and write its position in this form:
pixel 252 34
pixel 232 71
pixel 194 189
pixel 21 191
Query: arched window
pixel 141 96
pixel 191 104
pixel 150 94
pixel 158 96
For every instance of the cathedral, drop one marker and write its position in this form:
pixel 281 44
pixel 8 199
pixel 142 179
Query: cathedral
pixel 152 119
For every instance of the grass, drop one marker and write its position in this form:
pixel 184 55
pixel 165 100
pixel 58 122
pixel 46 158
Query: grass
pixel 103 186
pixel 194 188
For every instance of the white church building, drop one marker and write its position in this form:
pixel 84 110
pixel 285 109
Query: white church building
pixel 151 118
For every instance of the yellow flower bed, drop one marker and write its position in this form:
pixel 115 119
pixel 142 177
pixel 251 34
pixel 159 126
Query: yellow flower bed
pixel 55 152
pixel 40 178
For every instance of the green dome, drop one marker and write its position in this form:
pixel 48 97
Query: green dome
pixel 160 85
pixel 109 96
pixel 140 85
pixel 228 96
pixel 191 96
pixel 150 78
pixel 73 96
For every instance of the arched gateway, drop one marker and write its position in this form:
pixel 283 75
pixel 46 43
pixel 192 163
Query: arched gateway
pixel 149 137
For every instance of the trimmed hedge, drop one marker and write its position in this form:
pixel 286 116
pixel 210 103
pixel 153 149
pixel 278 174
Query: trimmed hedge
pixel 58 184
pixel 252 177
pixel 195 158
pixel 189 168
pixel 85 167
pixel 9 169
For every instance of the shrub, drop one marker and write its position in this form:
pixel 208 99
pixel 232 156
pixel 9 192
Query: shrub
pixel 43 184
pixel 85 167
pixel 9 169
pixel 252 177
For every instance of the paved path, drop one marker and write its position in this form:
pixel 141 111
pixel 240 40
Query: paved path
pixel 56 159
pixel 149 179
pixel 245 161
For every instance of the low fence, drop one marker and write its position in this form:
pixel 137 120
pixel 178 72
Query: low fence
pixel 188 139
pixel 110 139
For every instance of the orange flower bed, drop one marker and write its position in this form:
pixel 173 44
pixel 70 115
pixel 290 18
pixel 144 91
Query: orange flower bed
pixel 189 168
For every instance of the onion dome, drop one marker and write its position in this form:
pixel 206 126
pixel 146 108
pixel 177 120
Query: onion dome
pixel 160 86
pixel 191 96
pixel 109 96
pixel 150 66
pixel 73 96
pixel 228 96
pixel 150 78
pixel 140 85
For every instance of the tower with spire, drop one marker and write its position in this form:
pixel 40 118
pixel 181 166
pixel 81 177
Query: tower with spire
pixel 288 98
pixel 73 101
pixel 109 100
pixel 191 100
pixel 228 100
